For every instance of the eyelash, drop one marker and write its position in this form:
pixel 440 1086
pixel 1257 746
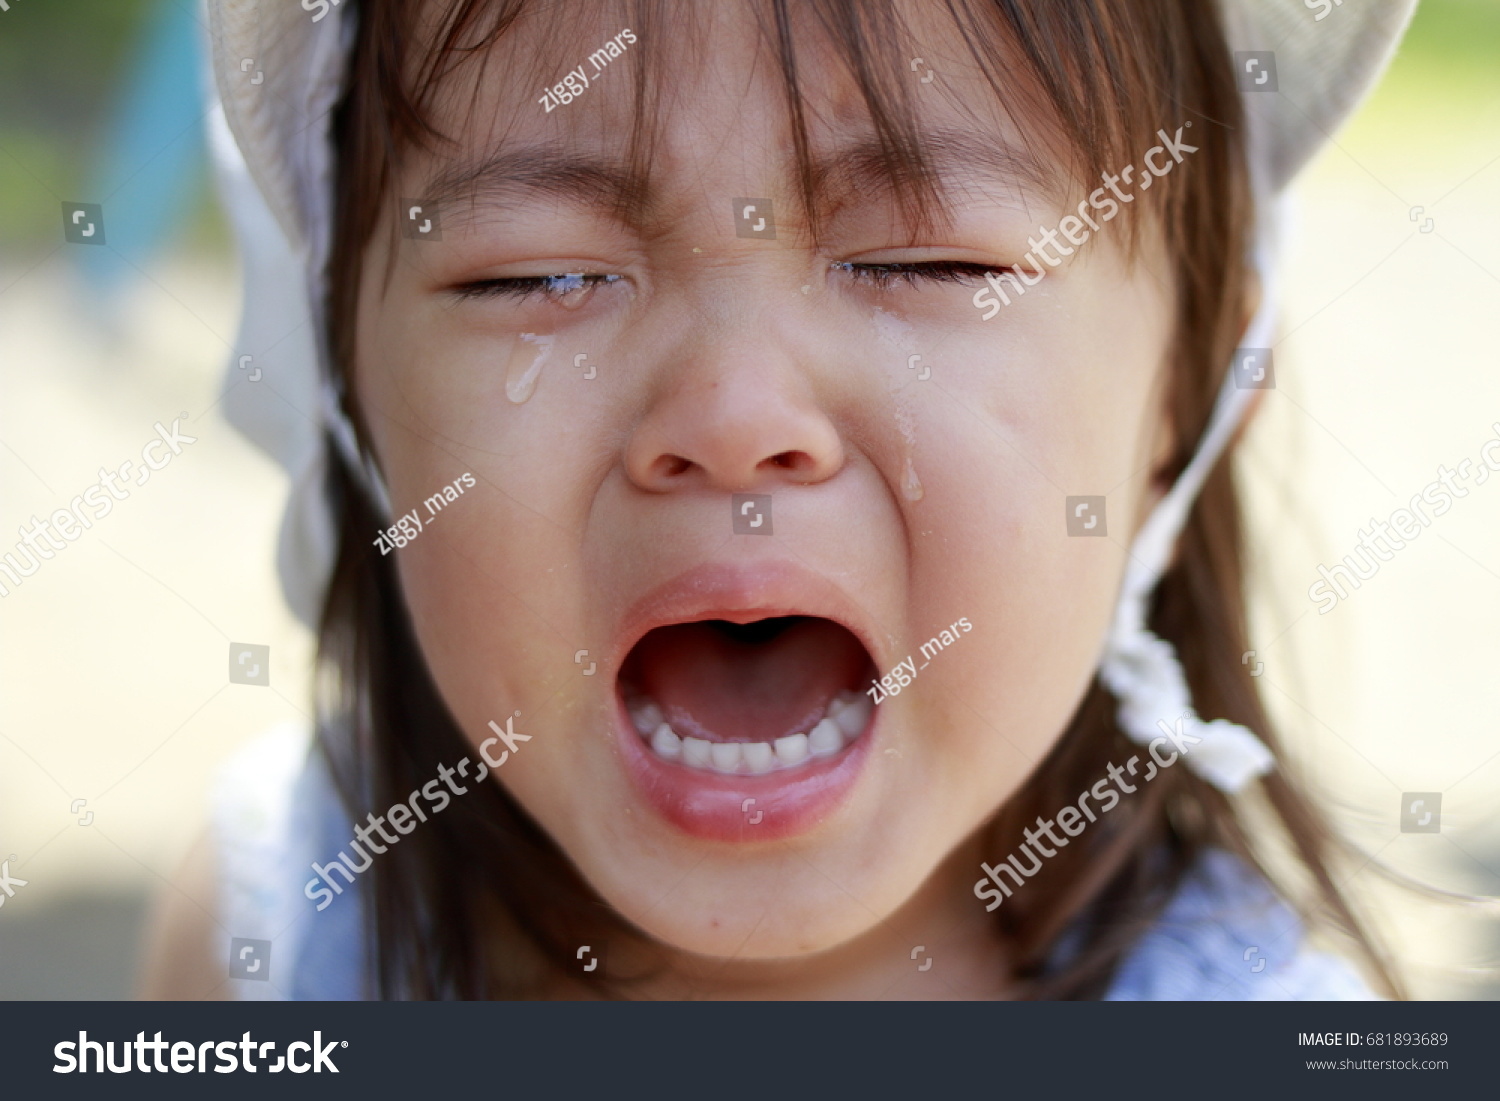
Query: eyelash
pixel 883 276
pixel 552 286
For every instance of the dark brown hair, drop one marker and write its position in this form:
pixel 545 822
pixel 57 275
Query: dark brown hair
pixel 480 902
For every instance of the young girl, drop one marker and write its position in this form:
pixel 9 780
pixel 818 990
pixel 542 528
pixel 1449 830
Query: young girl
pixel 761 488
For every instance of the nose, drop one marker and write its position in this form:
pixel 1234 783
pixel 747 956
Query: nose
pixel 734 420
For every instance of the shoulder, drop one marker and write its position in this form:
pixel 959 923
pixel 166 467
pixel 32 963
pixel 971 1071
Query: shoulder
pixel 180 961
pixel 1227 936
pixel 254 930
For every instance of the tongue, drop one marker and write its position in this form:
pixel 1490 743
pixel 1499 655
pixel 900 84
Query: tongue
pixel 746 683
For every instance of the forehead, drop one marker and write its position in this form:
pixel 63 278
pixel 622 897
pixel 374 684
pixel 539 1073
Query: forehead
pixel 564 106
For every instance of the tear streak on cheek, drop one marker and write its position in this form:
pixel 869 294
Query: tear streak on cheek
pixel 898 334
pixel 527 358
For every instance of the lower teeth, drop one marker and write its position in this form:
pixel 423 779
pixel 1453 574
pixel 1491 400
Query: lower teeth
pixel 846 717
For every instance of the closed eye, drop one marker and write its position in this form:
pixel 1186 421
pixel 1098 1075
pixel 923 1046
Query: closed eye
pixel 562 287
pixel 885 276
pixel 556 288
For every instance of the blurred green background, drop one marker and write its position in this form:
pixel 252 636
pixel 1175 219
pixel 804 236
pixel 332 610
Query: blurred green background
pixel 63 67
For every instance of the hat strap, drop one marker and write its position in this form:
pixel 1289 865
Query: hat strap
pixel 1143 670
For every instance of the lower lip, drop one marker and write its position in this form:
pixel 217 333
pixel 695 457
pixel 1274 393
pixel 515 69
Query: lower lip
pixel 716 807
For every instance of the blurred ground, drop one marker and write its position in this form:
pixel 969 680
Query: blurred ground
pixel 113 656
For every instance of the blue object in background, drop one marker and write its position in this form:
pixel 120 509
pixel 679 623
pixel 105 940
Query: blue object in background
pixel 151 163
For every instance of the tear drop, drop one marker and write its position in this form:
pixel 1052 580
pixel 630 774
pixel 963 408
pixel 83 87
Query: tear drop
pixel 911 485
pixel 575 297
pixel 526 366
pixel 572 290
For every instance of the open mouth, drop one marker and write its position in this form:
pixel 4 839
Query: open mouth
pixel 745 699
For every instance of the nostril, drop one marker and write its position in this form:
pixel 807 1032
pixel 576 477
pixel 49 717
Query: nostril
pixel 670 466
pixel 796 461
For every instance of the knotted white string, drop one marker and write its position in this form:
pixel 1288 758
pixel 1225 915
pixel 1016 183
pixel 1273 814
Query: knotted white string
pixel 1143 670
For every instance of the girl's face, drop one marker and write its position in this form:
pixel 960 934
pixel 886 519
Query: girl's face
pixel 904 466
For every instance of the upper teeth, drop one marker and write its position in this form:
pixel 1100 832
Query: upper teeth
pixel 843 721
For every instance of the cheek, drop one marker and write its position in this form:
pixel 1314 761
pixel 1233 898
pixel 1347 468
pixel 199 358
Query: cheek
pixel 1066 410
pixel 491 582
pixel 1039 604
pixel 495 648
pixel 430 400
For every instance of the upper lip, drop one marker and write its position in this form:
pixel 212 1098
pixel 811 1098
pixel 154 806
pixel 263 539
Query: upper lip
pixel 741 593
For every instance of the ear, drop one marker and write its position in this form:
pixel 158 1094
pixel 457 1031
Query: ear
pixel 1164 445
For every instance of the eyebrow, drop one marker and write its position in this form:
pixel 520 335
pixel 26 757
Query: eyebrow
pixel 532 173
pixel 955 157
pixel 538 172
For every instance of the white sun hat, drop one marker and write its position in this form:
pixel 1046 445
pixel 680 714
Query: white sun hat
pixel 278 66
